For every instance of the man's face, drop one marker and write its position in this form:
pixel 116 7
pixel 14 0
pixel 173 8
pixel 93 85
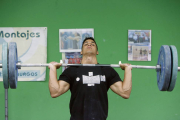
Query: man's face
pixel 89 47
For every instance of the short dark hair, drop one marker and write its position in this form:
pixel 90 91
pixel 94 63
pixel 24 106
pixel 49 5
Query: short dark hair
pixel 91 39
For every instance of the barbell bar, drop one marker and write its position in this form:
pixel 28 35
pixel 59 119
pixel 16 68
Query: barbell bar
pixel 68 65
pixel 167 66
pixel 78 65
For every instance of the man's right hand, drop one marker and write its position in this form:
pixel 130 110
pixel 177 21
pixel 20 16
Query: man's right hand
pixel 54 64
pixel 123 66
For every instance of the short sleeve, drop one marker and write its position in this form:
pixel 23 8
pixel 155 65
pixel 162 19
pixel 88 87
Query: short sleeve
pixel 114 77
pixel 111 75
pixel 65 76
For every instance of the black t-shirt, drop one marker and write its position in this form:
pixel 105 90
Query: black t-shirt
pixel 89 86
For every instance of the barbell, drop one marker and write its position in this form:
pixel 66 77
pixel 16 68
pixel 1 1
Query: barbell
pixel 166 68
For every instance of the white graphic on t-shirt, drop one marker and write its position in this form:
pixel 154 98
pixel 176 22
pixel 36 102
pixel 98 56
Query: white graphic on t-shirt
pixel 77 79
pixel 90 73
pixel 103 78
pixel 90 84
pixel 91 80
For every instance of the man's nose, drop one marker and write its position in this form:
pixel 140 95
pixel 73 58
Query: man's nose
pixel 89 44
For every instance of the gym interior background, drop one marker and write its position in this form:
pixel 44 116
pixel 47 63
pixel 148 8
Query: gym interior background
pixel 111 20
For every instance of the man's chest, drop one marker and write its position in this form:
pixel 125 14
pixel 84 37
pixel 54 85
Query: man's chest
pixel 90 76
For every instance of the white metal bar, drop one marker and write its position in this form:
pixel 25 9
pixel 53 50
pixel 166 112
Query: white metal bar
pixel 65 65
pixel 32 65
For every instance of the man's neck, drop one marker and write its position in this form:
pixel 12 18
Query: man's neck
pixel 89 59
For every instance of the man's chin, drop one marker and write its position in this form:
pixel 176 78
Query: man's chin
pixel 89 53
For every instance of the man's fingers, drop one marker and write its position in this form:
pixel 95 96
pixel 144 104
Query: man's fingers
pixel 54 64
pixel 123 66
pixel 50 65
pixel 58 65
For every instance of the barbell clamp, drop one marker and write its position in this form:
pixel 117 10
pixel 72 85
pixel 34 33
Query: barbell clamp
pixel 158 68
pixel 19 64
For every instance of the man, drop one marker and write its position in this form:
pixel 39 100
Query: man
pixel 89 84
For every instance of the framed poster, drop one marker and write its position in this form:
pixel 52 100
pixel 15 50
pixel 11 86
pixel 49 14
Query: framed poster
pixel 71 58
pixel 139 45
pixel 70 40
pixel 31 48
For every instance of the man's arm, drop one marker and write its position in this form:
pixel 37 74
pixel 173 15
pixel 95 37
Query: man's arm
pixel 124 88
pixel 56 87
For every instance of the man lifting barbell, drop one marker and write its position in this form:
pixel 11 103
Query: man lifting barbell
pixel 89 81
pixel 89 84
pixel 10 65
pixel 166 68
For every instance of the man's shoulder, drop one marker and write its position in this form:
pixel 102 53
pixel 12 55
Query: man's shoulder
pixel 107 68
pixel 70 69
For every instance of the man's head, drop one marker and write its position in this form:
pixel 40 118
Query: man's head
pixel 91 38
pixel 89 43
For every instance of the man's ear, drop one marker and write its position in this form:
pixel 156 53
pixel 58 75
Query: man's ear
pixel 81 52
pixel 97 53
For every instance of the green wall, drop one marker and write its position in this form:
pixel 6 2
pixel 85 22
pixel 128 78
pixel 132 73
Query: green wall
pixel 111 20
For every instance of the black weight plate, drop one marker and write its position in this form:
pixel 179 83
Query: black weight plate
pixel 5 65
pixel 174 67
pixel 164 74
pixel 13 69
